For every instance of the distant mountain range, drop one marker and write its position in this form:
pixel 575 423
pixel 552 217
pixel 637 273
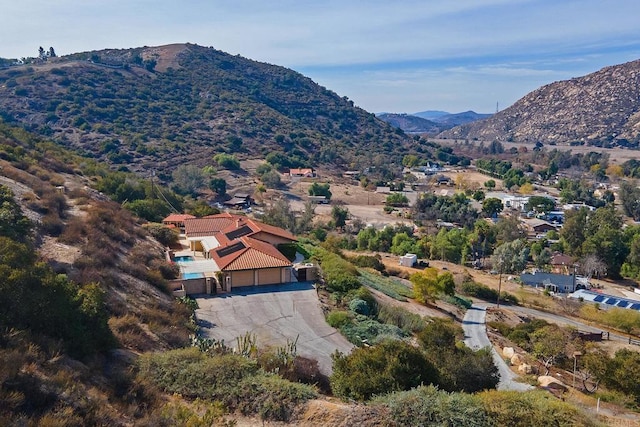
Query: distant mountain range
pixel 430 122
pixel 601 108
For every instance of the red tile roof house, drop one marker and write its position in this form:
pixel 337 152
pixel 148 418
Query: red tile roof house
pixel 177 221
pixel 302 172
pixel 240 250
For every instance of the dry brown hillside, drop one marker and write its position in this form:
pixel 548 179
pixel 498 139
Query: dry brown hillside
pixel 601 108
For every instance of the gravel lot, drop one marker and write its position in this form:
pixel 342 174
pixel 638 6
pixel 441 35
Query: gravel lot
pixel 274 314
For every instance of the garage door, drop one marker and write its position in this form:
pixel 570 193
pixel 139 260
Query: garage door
pixel 242 278
pixel 269 276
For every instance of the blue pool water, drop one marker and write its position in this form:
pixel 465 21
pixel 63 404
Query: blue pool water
pixel 192 275
pixel 183 258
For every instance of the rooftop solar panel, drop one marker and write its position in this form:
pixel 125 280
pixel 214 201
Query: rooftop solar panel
pixel 635 306
pixel 611 301
pixel 623 303
pixel 242 231
pixel 599 298
pixel 228 250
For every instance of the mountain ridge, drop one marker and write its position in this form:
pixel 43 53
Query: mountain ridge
pixel 158 107
pixel 601 108
pixel 438 121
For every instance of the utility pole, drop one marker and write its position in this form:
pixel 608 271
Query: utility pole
pixel 153 174
pixel 499 287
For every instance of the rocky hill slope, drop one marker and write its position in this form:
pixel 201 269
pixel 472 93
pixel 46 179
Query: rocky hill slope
pixel 602 108
pixel 83 292
pixel 163 106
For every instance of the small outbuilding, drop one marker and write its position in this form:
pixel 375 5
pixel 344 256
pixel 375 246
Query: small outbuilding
pixel 408 260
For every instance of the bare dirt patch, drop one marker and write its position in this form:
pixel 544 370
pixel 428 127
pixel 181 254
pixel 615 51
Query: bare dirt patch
pixel 166 56
pixel 367 206
pixel 467 178
pixel 52 250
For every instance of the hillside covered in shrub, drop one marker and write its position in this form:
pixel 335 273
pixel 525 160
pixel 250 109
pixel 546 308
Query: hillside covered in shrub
pixel 147 108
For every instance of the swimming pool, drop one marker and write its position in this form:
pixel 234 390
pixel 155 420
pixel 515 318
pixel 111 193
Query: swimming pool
pixel 183 258
pixel 192 276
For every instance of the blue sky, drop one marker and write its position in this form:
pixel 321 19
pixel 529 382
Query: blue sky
pixel 395 56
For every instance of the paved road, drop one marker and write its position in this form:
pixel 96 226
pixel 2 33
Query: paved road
pixel 274 314
pixel 475 337
pixel 560 320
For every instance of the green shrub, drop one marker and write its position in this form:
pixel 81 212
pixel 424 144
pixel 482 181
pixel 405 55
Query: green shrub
pixel 387 285
pixel 359 306
pixel 428 406
pixel 289 250
pixel 502 328
pixel 368 331
pixel 227 161
pixel 458 301
pixel 337 319
pixel 234 380
pixel 389 366
pixel 403 319
pixel 532 409
pixel 164 235
pixel 339 274
pixel 364 294
pixel 368 261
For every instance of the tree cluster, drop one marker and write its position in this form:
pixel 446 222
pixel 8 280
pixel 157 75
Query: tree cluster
pixel 456 209
pixel 396 365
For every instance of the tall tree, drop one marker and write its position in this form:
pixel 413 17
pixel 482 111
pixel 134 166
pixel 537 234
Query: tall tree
pixel 492 206
pixel 573 231
pixel 509 257
pixel 427 284
pixel 508 229
pixel 540 204
pixel 188 179
pixel 339 215
pixel 630 199
pixel 549 344
pixel 604 238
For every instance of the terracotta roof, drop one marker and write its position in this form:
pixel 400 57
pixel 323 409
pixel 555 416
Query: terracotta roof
pixel 207 225
pixel 248 254
pixel 300 171
pixel 177 217
pixel 277 231
pixel 230 225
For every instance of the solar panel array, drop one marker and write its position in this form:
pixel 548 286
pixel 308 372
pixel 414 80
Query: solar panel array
pixel 617 302
pixel 242 231
pixel 228 250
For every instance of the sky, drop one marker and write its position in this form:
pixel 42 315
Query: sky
pixel 401 56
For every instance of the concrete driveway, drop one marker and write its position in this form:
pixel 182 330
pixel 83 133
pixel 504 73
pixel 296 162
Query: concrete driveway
pixel 274 314
pixel 475 337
